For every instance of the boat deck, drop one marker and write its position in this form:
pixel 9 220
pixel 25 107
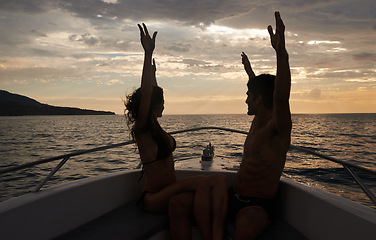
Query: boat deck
pixel 125 223
pixel 132 223
pixel 105 206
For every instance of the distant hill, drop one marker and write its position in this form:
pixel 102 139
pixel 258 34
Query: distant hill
pixel 17 105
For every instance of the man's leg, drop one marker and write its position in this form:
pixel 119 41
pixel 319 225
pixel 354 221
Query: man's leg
pixel 250 222
pixel 180 208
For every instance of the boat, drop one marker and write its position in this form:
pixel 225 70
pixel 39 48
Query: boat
pixel 105 207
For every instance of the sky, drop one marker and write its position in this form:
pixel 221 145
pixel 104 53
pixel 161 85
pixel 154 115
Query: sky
pixel 87 53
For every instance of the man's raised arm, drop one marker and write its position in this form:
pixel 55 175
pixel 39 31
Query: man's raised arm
pixel 281 107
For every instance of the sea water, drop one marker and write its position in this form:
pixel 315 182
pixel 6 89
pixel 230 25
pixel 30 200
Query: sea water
pixel 348 137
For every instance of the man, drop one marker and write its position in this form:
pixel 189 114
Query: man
pixel 266 145
pixel 265 148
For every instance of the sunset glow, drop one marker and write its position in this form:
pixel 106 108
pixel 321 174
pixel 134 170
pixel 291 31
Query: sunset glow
pixel 66 53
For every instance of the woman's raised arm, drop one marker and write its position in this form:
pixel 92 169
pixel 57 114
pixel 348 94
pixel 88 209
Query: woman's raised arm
pixel 148 44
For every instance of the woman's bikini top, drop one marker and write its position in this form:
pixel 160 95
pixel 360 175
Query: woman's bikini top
pixel 161 155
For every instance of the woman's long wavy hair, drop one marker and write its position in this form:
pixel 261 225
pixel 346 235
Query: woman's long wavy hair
pixel 132 107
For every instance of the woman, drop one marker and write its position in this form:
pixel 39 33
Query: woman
pixel 155 147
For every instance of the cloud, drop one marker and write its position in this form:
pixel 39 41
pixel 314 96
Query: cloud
pixel 365 57
pixel 198 42
pixel 104 43
pixel 27 6
pixel 194 12
pixel 315 93
pixel 310 95
pixel 38 33
pixel 34 74
pixel 237 13
pixel 44 53
pixel 89 40
pixel 194 62
pixel 83 55
pixel 180 47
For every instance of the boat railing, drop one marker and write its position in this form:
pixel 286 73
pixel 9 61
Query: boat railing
pixel 64 158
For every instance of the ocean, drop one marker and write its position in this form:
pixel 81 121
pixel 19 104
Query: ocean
pixel 348 137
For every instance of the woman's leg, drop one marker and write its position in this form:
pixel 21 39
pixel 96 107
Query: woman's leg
pixel 202 210
pixel 210 201
pixel 180 208
pixel 182 205
pixel 158 202
pixel 219 201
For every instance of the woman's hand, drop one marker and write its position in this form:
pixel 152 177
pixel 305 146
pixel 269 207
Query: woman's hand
pixel 245 61
pixel 147 42
pixel 247 66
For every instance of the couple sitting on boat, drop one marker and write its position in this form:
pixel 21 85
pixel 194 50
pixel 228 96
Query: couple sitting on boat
pixel 248 201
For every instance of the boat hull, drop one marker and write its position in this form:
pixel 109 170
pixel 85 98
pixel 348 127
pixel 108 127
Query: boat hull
pixel 57 210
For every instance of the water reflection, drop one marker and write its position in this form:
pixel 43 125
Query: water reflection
pixel 23 139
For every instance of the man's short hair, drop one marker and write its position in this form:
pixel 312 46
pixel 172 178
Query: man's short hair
pixel 263 85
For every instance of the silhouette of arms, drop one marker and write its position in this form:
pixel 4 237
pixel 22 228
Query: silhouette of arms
pixel 147 79
pixel 247 66
pixel 281 107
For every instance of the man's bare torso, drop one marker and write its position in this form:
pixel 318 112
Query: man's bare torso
pixel 263 161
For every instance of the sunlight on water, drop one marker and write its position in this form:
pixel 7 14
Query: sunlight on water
pixel 348 137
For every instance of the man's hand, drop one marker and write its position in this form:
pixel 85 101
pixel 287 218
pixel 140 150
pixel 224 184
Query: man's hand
pixel 278 39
